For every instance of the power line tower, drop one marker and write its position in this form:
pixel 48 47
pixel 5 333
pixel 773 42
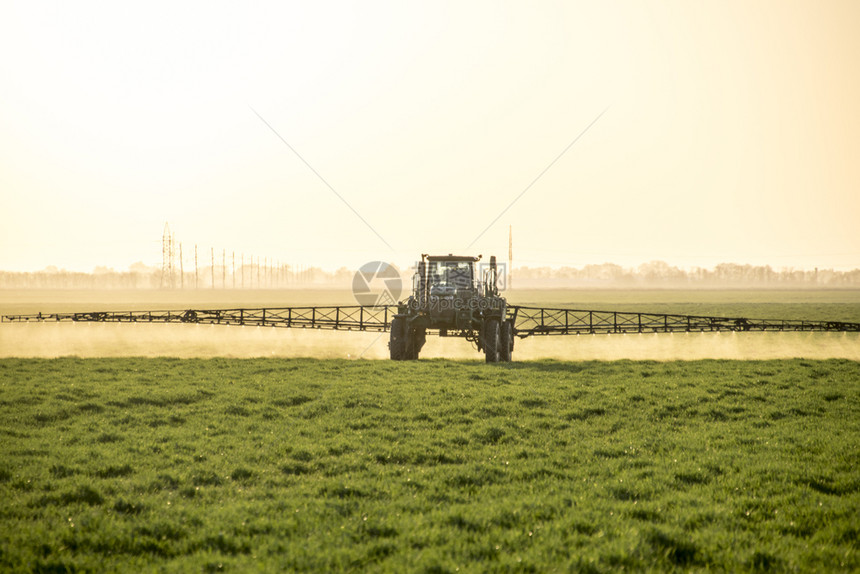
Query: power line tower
pixel 168 256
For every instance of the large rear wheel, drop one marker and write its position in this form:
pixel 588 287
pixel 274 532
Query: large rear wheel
pixel 414 342
pixel 397 342
pixel 506 341
pixel 492 341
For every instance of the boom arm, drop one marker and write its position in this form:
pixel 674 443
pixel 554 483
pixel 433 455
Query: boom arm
pixel 527 321
pixel 546 321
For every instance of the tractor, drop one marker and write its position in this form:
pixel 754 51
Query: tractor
pixel 450 298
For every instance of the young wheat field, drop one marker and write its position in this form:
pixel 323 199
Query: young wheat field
pixel 432 466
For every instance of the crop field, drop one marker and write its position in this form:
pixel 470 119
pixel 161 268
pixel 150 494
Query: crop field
pixel 162 464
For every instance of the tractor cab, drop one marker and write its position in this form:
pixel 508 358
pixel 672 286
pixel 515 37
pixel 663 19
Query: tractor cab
pixel 449 275
pixel 441 278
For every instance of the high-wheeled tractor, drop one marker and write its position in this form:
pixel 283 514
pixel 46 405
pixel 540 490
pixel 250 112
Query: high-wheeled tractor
pixel 449 297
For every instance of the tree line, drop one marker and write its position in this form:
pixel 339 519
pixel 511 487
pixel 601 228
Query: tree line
pixel 140 276
pixel 660 273
pixel 652 274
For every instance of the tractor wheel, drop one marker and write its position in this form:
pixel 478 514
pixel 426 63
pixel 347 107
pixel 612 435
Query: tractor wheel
pixel 506 341
pixel 397 342
pixel 491 340
pixel 416 340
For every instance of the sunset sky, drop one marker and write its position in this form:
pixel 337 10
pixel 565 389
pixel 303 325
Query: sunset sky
pixel 730 131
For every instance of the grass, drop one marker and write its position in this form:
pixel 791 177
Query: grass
pixel 428 466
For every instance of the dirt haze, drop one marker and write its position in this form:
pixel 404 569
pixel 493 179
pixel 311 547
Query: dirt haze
pixel 186 341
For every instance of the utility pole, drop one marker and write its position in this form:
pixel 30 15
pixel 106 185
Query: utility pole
pixel 234 270
pixel 166 258
pixel 212 269
pixel 223 268
pixel 510 257
pixel 173 261
pixel 181 269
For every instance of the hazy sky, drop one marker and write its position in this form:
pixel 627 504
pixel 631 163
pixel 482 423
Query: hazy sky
pixel 731 131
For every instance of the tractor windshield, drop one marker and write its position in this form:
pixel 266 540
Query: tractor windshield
pixel 456 274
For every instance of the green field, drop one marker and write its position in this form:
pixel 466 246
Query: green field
pixel 429 466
